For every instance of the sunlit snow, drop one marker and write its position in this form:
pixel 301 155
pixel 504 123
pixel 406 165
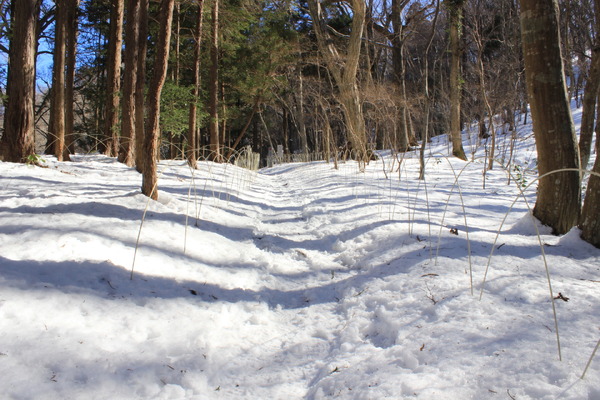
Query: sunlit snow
pixel 297 281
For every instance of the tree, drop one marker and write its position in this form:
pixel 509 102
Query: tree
pixel 589 222
pixel 590 95
pixel 344 71
pixel 192 154
pixel 71 48
pixel 58 82
pixel 111 110
pixel 140 85
pixel 455 8
pixel 17 142
pixel 149 175
pixel 213 85
pixel 397 41
pixel 425 137
pixel 558 199
pixel 132 31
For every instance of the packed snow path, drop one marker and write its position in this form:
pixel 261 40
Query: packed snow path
pixel 300 281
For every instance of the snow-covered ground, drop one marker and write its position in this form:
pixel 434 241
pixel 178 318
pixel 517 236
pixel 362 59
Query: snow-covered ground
pixel 299 281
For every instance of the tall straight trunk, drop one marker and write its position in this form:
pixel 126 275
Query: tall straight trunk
pixel 58 81
pixel 113 81
pixel 71 47
pixel 344 71
pixel 590 96
pixel 140 106
pixel 558 200
pixel 213 86
pixel 149 175
pixel 132 32
pixel 18 139
pixel 456 17
pixel 192 154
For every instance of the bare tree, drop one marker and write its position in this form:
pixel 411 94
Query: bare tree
pixel 558 200
pixel 344 70
pixel 397 41
pixel 425 137
pixel 455 9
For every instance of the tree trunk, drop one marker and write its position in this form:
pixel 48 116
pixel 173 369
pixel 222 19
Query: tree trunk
pixel 590 214
pixel 177 31
pixel 245 128
pixel 426 135
pixel 558 200
pixel 113 81
pixel 397 41
pixel 344 70
pixel 71 47
pixel 140 106
pixel 456 17
pixel 18 139
pixel 132 32
pixel 488 107
pixel 213 86
pixel 299 108
pixel 192 154
pixel 58 81
pixel 150 178
pixel 590 96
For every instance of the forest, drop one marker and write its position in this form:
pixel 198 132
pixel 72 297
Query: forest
pixel 299 199
pixel 301 80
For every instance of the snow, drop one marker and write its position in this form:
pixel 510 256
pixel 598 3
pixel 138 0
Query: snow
pixel 297 281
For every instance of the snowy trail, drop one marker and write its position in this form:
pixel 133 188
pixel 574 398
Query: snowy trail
pixel 300 281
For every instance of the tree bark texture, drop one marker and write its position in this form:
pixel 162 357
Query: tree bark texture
pixel 19 123
pixel 150 177
pixel 455 8
pixel 132 31
pixel 113 80
pixel 558 197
